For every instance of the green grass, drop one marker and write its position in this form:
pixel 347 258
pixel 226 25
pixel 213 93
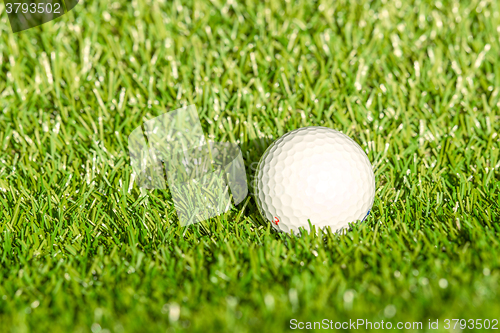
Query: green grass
pixel 414 82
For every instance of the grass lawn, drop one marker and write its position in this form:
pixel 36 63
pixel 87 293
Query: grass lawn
pixel 415 83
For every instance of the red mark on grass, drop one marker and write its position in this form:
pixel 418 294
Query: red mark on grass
pixel 276 220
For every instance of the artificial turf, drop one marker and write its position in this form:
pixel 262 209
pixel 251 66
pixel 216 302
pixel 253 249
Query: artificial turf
pixel 415 83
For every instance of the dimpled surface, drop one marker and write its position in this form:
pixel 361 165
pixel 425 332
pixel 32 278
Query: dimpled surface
pixel 316 174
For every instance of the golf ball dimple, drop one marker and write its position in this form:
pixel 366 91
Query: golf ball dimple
pixel 314 174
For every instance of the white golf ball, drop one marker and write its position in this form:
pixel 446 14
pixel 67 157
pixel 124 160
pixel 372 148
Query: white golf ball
pixel 316 174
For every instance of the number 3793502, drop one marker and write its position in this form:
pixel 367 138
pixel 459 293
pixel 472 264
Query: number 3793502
pixel 484 324
pixel 33 8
